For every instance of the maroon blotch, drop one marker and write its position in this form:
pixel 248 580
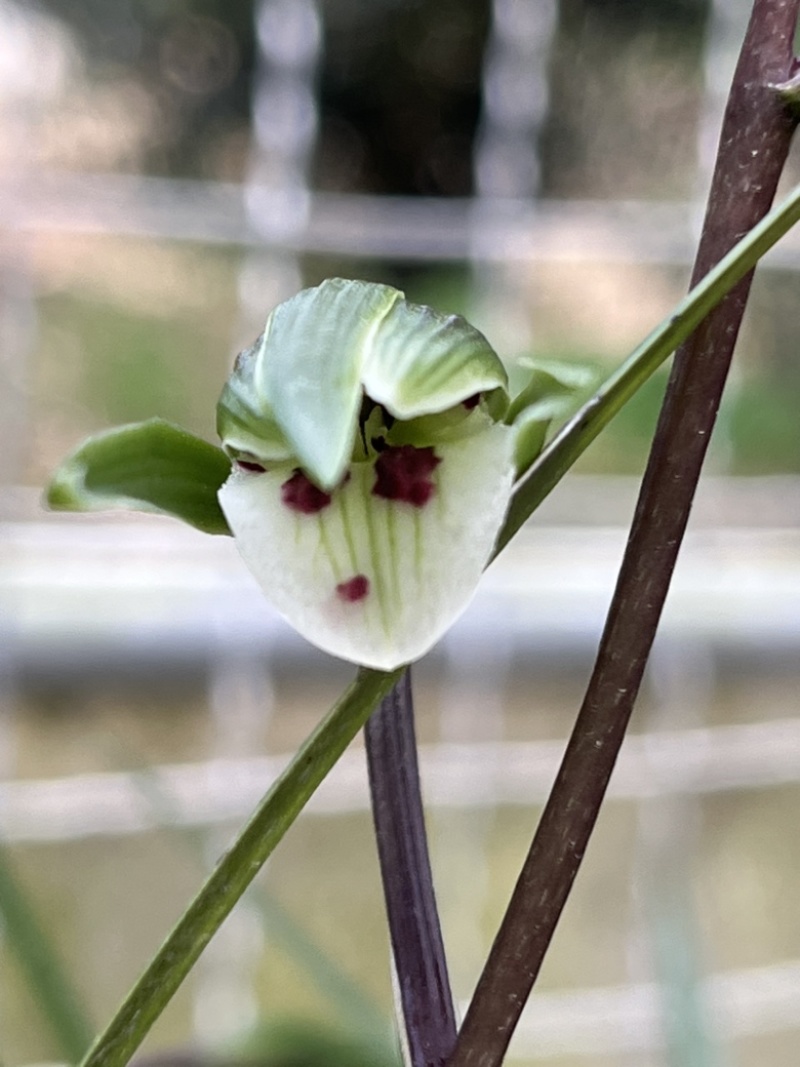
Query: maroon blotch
pixel 250 465
pixel 472 401
pixel 300 494
pixel 354 589
pixel 403 473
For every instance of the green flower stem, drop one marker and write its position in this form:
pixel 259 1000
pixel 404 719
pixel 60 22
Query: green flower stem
pixel 59 1001
pixel 346 996
pixel 286 799
pixel 236 870
pixel 575 437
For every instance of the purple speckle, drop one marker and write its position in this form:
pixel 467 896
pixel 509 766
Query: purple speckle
pixel 300 494
pixel 354 589
pixel 404 473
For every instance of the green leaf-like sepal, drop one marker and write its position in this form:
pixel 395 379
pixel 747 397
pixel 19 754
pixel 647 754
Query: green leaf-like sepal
pixel 553 389
pixel 422 362
pixel 151 466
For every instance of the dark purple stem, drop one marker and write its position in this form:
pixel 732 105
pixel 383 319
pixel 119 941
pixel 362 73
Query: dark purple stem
pixel 755 139
pixel 416 936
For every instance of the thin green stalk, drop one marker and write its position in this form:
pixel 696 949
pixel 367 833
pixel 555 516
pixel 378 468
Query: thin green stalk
pixel 576 436
pixel 318 755
pixel 346 996
pixel 58 999
pixel 236 870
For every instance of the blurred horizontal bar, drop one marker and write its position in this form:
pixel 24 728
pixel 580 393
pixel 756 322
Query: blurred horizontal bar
pixel 614 1020
pixel 468 776
pixel 352 225
pixel 581 499
pixel 81 593
pixel 628 1019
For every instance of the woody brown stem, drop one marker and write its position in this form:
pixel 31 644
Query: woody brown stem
pixel 754 143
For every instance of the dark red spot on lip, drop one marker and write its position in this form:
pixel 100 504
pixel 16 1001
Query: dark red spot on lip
pixel 250 465
pixel 354 589
pixel 472 401
pixel 300 494
pixel 403 473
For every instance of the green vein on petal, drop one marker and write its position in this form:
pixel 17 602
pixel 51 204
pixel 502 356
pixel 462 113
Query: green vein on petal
pixel 371 506
pixel 394 562
pixel 423 563
pixel 347 531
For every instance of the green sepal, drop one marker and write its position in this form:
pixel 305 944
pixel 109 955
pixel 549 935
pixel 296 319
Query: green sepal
pixel 497 403
pixel 529 438
pixel 151 466
pixel 552 390
pixel 309 369
pixel 422 362
pixel 244 420
pixel 551 386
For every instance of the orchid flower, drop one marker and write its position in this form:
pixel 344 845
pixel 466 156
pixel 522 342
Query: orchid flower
pixel 369 450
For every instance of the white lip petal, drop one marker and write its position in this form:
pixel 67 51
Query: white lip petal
pixel 371 580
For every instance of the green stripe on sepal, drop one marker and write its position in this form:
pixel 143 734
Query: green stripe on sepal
pixel 151 466
pixel 423 362
pixel 300 389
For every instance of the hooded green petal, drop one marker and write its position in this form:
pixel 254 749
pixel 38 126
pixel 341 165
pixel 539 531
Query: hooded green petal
pixel 309 369
pixel 147 466
pixel 421 362
pixel 299 391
